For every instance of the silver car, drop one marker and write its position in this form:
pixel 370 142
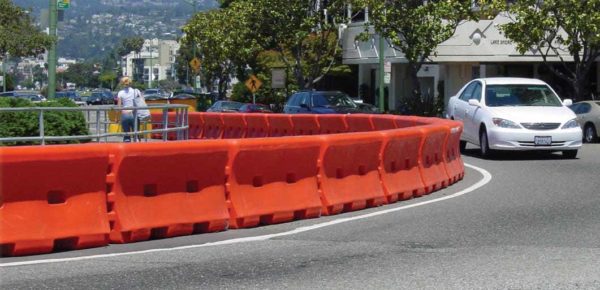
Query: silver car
pixel 588 117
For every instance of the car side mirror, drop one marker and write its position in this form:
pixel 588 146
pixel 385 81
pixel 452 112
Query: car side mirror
pixel 474 102
pixel 567 102
pixel 304 106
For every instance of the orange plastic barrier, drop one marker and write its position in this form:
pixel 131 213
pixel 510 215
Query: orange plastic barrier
pixel 433 169
pixel 359 123
pixel 349 175
pixel 305 124
pixel 196 125
pixel 274 180
pixel 332 124
pixel 383 122
pixel 157 123
pixel 280 125
pixel 404 121
pixel 234 126
pixel 213 126
pixel 168 189
pixel 52 198
pixel 453 160
pixel 257 125
pixel 400 172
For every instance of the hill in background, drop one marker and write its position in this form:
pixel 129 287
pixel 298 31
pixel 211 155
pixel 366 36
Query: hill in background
pixel 90 29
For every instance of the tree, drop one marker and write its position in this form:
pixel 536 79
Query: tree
pixel 550 28
pixel 416 28
pixel 130 44
pixel 83 74
pixel 18 35
pixel 305 33
pixel 108 78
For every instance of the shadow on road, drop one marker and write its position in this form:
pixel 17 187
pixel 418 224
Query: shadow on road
pixel 517 155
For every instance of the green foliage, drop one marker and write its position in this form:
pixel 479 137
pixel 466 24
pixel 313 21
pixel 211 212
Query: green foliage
pixel 416 28
pixel 552 27
pixel 18 36
pixel 130 44
pixel 26 124
pixel 83 74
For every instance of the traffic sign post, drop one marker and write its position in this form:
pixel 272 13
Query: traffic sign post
pixel 253 84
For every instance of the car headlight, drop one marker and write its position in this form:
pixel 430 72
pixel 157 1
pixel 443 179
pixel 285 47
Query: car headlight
pixel 571 124
pixel 503 123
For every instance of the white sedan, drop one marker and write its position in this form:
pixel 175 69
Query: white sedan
pixel 515 114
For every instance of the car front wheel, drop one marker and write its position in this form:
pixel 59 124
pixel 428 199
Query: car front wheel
pixel 484 145
pixel 589 134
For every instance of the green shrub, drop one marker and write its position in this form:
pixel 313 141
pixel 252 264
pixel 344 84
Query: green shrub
pixel 26 124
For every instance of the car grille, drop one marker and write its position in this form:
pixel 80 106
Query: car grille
pixel 531 144
pixel 540 126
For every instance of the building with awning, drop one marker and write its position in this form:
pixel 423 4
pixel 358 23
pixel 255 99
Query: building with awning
pixel 477 49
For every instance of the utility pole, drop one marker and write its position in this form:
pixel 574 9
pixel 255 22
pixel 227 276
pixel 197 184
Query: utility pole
pixel 53 19
pixel 381 73
pixel 4 60
pixel 151 70
pixel 194 4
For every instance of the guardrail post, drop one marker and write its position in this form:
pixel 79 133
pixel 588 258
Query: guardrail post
pixel 97 125
pixel 41 126
pixel 165 121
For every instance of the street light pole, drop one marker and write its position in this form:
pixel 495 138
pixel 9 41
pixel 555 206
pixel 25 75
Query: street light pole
pixel 53 19
pixel 4 60
pixel 150 71
pixel 381 73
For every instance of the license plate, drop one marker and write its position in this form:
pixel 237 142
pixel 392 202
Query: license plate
pixel 542 140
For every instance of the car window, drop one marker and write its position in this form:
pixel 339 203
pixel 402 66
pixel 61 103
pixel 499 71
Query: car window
pixel 304 99
pixel 476 95
pixel 521 95
pixel 294 100
pixel 585 108
pixel 574 108
pixel 468 92
pixel 333 100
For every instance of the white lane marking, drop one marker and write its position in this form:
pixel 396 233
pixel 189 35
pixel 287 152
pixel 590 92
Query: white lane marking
pixel 487 177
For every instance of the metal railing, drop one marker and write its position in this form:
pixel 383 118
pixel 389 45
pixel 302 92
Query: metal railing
pixel 98 121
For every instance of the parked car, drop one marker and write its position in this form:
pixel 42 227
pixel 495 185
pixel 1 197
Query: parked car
pixel 159 92
pixel 225 106
pixel 72 95
pixel 32 96
pixel 255 108
pixel 515 114
pixel 588 117
pixel 100 98
pixel 368 108
pixel 320 102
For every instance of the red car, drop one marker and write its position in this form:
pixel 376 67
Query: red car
pixel 255 108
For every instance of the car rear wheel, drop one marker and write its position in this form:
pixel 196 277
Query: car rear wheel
pixel 569 154
pixel 589 134
pixel 484 145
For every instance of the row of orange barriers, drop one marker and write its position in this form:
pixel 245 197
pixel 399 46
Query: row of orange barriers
pixel 92 195
pixel 236 126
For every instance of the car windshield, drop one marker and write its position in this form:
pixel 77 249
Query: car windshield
pixel 333 100
pixel 520 95
pixel 231 105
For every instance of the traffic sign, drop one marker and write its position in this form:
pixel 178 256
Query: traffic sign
pixel 63 4
pixel 195 64
pixel 253 84
pixel 278 78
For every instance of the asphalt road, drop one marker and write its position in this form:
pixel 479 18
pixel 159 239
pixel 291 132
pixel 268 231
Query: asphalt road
pixel 532 223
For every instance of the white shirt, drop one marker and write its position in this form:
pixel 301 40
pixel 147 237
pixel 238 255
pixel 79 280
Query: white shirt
pixel 127 95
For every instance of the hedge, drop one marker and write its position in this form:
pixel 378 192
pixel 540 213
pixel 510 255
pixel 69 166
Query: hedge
pixel 25 124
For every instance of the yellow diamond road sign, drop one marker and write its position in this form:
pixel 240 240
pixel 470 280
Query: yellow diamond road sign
pixel 195 64
pixel 253 84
